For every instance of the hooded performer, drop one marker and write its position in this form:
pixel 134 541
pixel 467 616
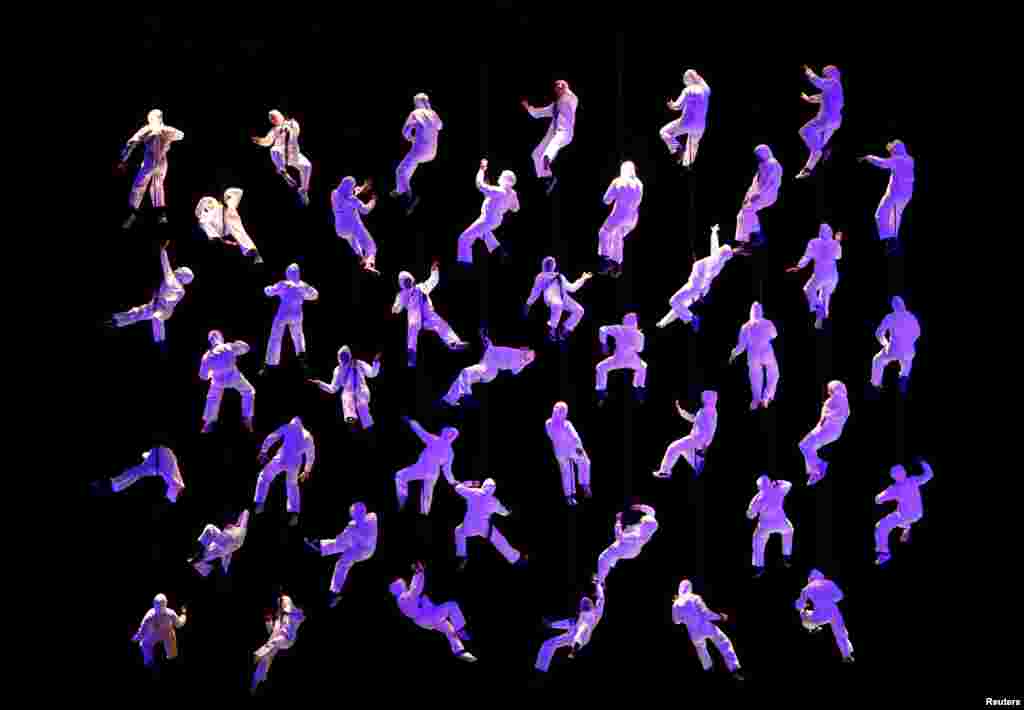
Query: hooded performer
pixel 219 366
pixel 692 446
pixel 161 308
pixel 577 632
pixel 824 595
pixel 437 455
pixel 497 201
pixel 702 274
pixel 897 334
pixel 284 628
pixel 560 131
pixel 159 461
pixel 414 298
pixel 569 453
pixel 766 508
pixel 763 192
pixel 824 251
pixel 629 541
pixel 756 336
pixel 889 214
pixel 216 544
pixel 283 141
pixel 348 221
pixel 829 428
pixel 629 343
pixel 906 491
pixel 693 103
pixel 496 359
pixel 292 292
pixel 689 608
pixel 158 626
pixel 481 504
pixel 356 543
pixel 626 192
pixel 446 618
pixel 555 288
pixel 350 379
pixel 817 132
pixel 421 129
pixel 222 221
pixel 158 139
pixel 296 444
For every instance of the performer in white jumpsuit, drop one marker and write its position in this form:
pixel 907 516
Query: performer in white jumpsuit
pixel 292 292
pixel 159 461
pixel 161 308
pixel 158 626
pixel 296 444
pixel 350 379
pixel 689 608
pixel 216 544
pixel 498 199
pixel 823 594
pixel 421 129
pixel 219 366
pixel 348 222
pixel 889 214
pixel 283 141
pixel 555 288
pixel 906 491
pixel 817 132
pixel 824 251
pixel 446 618
pixel 577 631
pixel 766 509
pixel 702 274
pixel 356 543
pixel 569 453
pixel 629 343
pixel 560 131
pixel 756 336
pixel 414 298
pixel 158 139
pixel 693 103
pixel 692 446
pixel 481 504
pixel 629 541
pixel 437 455
pixel 626 192
pixel 496 359
pixel 284 629
pixel 829 428
pixel 222 222
pixel 763 192
pixel 897 334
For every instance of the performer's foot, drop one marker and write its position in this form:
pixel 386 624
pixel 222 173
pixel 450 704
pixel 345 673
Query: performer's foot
pixel 737 676
pixel 550 186
pixel 757 240
pixel 265 370
pixel 904 383
pixel 161 216
pixel 755 404
pixel 765 403
pixel 695 324
pixel 826 154
pixel 312 544
pixel 466 656
pixel 698 465
pixel 258 509
pixel 411 361
pixel 412 202
pixel 521 562
pixel 463 634
pixel 819 322
pixel 256 258
pixel 289 180
pixel 758 572
pixel 563 333
pixel 892 246
pixel 570 501
pixel 247 425
pixel 662 474
pixel 640 393
pixel 395 194
pixel 333 602
pixel 803 174
pixel 883 557
pixel 602 397
pixel 552 336
pixel 905 537
pixel 462 564
pixel 786 562
pixel 616 270
pixel 207 427
pixel 130 221
pixel 587 493
pixel 502 255
pixel 293 520
pixel 848 659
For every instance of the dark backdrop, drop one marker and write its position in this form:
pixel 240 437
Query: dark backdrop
pixel 351 87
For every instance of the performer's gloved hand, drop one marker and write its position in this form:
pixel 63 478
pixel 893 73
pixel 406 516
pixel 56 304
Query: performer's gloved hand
pixel 732 357
pixel 862 159
pixel 724 617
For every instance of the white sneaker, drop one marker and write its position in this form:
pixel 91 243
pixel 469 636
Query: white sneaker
pixel 467 656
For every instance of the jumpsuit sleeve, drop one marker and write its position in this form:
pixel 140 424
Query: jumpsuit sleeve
pixel 582 626
pixel 513 205
pixel 837 594
pixel 785 487
pixel 543 112
pixel 575 285
pixel 603 332
pixel 370 370
pixel 482 186
pixel 755 507
pixel 881 162
pixel 883 328
pixel 133 143
pixel 619 532
pixel 142 626
pixel 773 332
pixel 801 601
pixel 165 265
pixel 274 290
pixel 677 105
pixel 409 129
pixel 426 437
pixel 204 367
pixel 462 489
pixel 743 341
pixel 885 496
pixel 610 194
pixel 272 439
pixel 687 416
pixel 267 140
pixel 239 347
pixel 501 509
pixel 816 80
pixel 808 256
pixel 538 288
pixel 309 451
pixel 574 435
pixel 521 366
pixel 398 306
pixel 431 283
pixel 416 585
pixel 599 602
pixel 706 612
pixel 309 293
pixel 925 477
pixel 335 386
pixel 446 467
pixel 363 207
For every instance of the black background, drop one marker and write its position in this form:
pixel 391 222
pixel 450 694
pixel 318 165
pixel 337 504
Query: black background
pixel 351 85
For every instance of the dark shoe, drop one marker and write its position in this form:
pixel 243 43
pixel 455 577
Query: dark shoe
pixel 848 659
pixel 521 562
pixel 463 634
pixel 758 572
pixel 552 336
pixel 805 173
pixel 695 324
pixel 893 247
pixel 132 218
pixel 570 501
pixel 758 240
pixel 412 205
pixel 587 493
pixel 312 544
pixel 462 564
pixel 883 558
pixel 737 676
pixel 550 186
pixel 640 393
pixel 904 385
pixel 602 397
pixel 873 393
pixel 162 216
pixel 786 563
pixel 698 467
pixel 335 598
pixel 293 520
pixel 259 508
pixel 458 347
pixel 411 361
